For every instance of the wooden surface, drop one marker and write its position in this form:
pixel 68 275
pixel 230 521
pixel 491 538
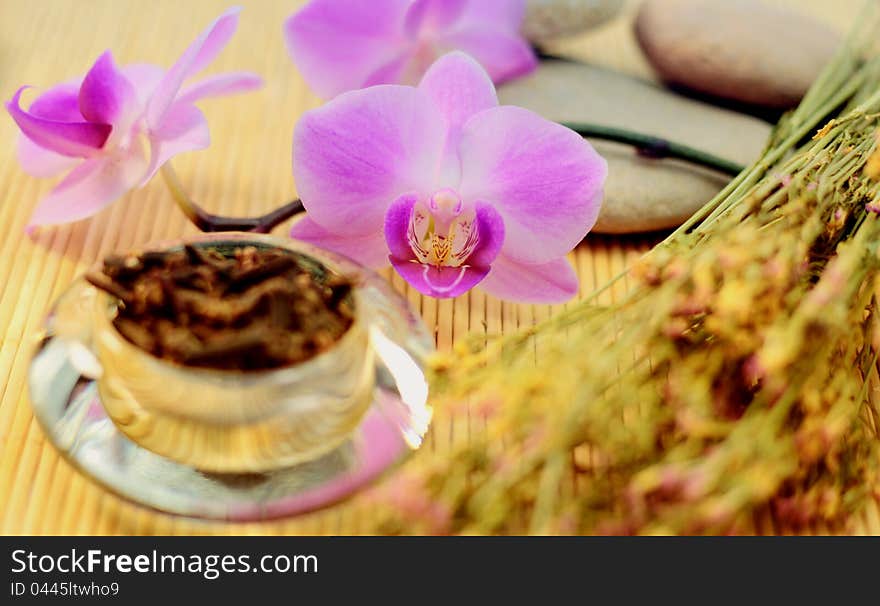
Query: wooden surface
pixel 246 171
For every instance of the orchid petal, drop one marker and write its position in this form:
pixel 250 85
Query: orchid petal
pixel 40 162
pixel 145 77
pixel 551 282
pixel 460 88
pixel 432 15
pixel 106 95
pixel 220 85
pixel 439 282
pixel 356 154
pixel 90 187
pixel 543 178
pixel 397 221
pixel 214 39
pixel 504 55
pixel 184 128
pixel 199 54
pixel 338 46
pixel 75 139
pixel 490 226
pixel 366 250
pixel 59 103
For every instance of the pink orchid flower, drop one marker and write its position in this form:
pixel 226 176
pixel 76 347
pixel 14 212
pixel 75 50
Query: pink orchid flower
pixel 342 45
pixel 116 126
pixel 465 191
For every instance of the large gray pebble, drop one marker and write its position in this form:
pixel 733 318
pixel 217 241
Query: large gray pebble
pixel 641 194
pixel 743 50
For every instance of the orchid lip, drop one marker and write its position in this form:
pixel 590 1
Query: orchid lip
pixel 441 245
pixel 443 232
pixel 440 288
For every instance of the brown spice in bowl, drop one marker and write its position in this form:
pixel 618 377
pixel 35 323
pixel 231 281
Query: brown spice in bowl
pixel 246 308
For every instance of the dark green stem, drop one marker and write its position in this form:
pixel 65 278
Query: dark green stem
pixel 208 222
pixel 655 147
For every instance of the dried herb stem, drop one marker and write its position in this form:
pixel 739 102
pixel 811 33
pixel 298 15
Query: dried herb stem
pixel 730 381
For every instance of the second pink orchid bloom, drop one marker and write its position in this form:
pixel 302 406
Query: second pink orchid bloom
pixel 342 45
pixel 114 128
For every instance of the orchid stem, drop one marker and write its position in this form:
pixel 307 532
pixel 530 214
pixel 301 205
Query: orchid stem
pixel 208 222
pixel 655 147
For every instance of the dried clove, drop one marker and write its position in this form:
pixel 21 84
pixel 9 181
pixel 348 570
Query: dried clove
pixel 246 309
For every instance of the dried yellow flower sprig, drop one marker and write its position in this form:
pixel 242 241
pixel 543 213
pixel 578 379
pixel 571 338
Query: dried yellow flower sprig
pixel 733 379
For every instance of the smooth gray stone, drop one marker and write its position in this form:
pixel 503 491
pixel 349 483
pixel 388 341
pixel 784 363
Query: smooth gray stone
pixel 743 50
pixel 641 194
pixel 550 19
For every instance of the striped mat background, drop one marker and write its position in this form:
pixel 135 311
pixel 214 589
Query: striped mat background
pixel 246 171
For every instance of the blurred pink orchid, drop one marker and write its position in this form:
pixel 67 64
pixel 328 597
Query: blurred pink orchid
pixel 342 45
pixel 117 126
pixel 464 191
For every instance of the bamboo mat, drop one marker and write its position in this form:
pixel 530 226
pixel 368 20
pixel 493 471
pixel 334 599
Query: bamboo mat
pixel 246 171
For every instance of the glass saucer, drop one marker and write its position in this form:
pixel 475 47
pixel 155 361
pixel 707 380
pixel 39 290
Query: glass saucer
pixel 67 405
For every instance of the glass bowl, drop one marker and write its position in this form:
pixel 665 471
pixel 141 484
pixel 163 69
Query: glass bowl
pixel 236 421
pixel 235 445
